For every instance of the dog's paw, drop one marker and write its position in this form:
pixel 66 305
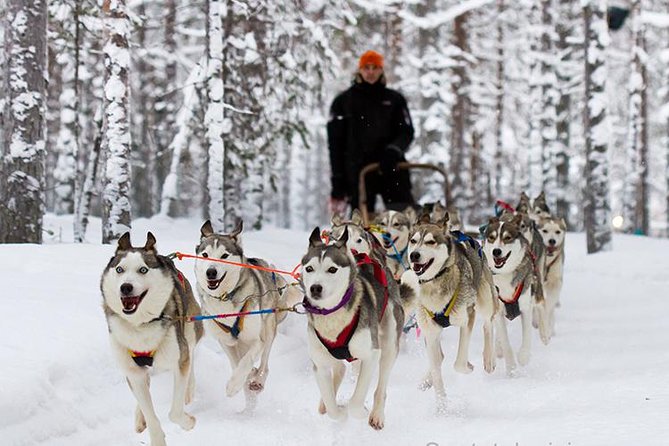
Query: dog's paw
pixel 256 381
pixel 523 356
pixel 185 420
pixel 234 385
pixel 321 408
pixel 376 419
pixel 426 382
pixel 339 413
pixel 140 422
pixel 358 411
pixel 489 364
pixel 545 336
pixel 465 368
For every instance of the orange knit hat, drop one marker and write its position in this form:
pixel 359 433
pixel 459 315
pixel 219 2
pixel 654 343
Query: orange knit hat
pixel 371 58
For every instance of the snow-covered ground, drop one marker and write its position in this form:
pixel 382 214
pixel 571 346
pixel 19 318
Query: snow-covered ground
pixel 601 381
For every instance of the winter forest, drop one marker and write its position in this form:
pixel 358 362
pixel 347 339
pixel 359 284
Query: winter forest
pixel 122 109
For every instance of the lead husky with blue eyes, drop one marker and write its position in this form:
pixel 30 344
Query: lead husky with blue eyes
pixel 226 288
pixel 351 317
pixel 146 301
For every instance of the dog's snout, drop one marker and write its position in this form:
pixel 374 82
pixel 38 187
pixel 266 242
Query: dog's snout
pixel 552 242
pixel 126 288
pixel 211 273
pixel 316 289
pixel 497 252
pixel 415 256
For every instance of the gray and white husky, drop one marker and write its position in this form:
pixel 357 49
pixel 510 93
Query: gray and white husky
pixel 146 302
pixel 553 231
pixel 454 285
pixel 226 288
pixel 395 229
pixel 351 316
pixel 511 261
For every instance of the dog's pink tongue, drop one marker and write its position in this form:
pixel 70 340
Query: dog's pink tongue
pixel 130 302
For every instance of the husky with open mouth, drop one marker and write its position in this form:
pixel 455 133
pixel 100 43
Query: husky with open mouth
pixel 146 302
pixel 351 317
pixel 228 288
pixel 511 260
pixel 454 285
pixel 394 229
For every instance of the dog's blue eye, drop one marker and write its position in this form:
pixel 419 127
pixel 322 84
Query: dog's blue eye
pixel 143 270
pixel 205 255
pixel 332 270
pixel 225 256
pixel 119 269
pixel 309 269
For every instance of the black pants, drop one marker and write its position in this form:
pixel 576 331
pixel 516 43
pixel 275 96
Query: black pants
pixel 395 189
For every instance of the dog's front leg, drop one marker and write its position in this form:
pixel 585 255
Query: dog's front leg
pixel 462 363
pixel 388 357
pixel 488 348
pixel 338 372
pixel 244 367
pixel 436 357
pixel 357 402
pixel 259 375
pixel 503 342
pixel 326 385
pixel 524 352
pixel 177 413
pixel 139 384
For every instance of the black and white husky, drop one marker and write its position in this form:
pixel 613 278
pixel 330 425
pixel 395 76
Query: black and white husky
pixel 394 231
pixel 146 302
pixel 227 288
pixel 454 285
pixel 515 274
pixel 351 316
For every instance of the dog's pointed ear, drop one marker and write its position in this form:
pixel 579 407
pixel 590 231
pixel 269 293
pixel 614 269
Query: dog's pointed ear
pixel 238 230
pixel 446 218
pixel 411 215
pixel 150 244
pixel 424 218
pixel 563 224
pixel 493 220
pixel 343 239
pixel 206 230
pixel 315 238
pixel 356 217
pixel 335 220
pixel 124 243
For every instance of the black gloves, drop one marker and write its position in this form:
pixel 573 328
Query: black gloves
pixel 390 156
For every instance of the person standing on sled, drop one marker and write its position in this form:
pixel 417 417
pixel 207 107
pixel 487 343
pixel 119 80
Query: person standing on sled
pixel 369 123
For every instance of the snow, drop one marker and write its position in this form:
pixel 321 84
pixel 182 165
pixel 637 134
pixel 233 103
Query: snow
pixel 602 380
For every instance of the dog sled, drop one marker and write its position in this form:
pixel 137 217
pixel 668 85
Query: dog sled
pixel 373 167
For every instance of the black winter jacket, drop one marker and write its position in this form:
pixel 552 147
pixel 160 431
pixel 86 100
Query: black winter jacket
pixel 364 121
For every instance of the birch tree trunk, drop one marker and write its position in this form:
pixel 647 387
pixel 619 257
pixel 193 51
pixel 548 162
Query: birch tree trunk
pixel 116 194
pixel 563 111
pixel 642 214
pixel 550 96
pixel 23 152
pixel 214 116
pixel 597 212
pixel 499 102
pixel 535 167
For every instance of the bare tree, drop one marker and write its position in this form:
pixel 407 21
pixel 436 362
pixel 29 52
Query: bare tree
pixel 116 195
pixel 23 151
pixel 597 208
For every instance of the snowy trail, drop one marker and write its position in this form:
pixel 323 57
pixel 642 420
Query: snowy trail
pixel 602 380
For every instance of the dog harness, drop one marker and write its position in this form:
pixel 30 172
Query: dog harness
pixel 237 326
pixel 548 267
pixel 142 359
pixel 443 317
pixel 339 347
pixel 461 237
pixel 512 307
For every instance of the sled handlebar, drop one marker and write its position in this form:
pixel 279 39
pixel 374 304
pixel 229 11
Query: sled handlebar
pixel 362 189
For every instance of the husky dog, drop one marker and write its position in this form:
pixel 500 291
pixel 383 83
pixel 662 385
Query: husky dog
pixel 540 208
pixel 396 228
pixel 510 259
pixel 553 231
pixel 524 205
pixel 225 288
pixel 146 302
pixel 361 241
pixel 351 316
pixel 454 284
